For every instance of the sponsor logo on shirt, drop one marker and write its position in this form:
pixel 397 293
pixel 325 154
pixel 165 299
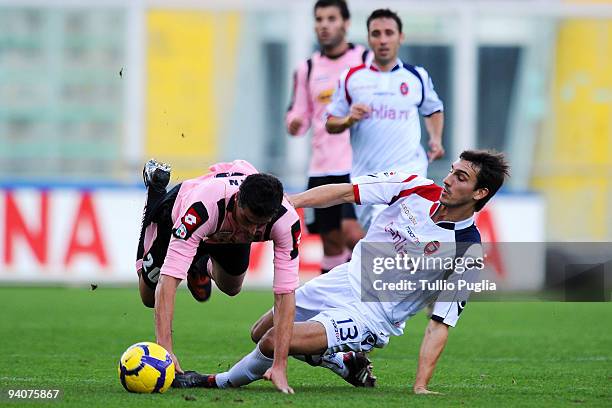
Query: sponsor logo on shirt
pixel 408 214
pixel 386 112
pixel 195 216
pixel 359 87
pixel 325 97
pixel 399 241
pixel 412 235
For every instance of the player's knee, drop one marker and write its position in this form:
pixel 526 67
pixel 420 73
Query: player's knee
pixel 257 331
pixel 352 235
pixel 266 344
pixel 148 302
pixel 231 290
pixel 255 334
pixel 147 294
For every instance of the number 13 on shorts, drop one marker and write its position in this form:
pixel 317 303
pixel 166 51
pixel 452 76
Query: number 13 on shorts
pixel 347 329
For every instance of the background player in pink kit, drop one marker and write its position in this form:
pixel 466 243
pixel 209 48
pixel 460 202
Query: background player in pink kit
pixel 314 82
pixel 203 228
pixel 380 101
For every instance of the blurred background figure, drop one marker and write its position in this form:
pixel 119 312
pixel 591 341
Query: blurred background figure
pixel 330 163
pixel 88 92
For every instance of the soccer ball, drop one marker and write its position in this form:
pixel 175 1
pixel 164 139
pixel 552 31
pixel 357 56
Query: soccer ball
pixel 146 368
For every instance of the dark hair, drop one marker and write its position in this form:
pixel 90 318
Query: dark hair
pixel 261 193
pixel 341 4
pixel 492 171
pixel 384 13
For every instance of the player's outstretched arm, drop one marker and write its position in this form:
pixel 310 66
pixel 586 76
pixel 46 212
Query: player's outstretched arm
pixel 324 196
pixel 434 340
pixel 284 313
pixel 164 314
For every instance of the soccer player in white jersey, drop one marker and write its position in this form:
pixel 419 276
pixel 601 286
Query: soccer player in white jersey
pixel 380 102
pixel 334 326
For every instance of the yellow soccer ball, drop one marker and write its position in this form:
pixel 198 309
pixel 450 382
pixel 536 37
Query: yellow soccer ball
pixel 146 368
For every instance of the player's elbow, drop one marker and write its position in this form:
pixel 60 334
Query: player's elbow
pixel 331 127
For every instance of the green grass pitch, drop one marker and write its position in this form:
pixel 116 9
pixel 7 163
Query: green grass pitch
pixel 501 354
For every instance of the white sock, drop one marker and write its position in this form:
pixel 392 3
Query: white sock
pixel 251 368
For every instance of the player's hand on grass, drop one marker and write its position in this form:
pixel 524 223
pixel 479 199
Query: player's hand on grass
pixel 177 366
pixel 358 112
pixel 295 126
pixel 278 376
pixel 422 390
pixel 436 150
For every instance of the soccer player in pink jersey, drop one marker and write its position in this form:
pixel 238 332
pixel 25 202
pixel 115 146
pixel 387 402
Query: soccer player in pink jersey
pixel 203 229
pixel 314 82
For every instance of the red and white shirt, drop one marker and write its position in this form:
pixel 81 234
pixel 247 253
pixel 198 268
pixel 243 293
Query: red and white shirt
pixel 405 227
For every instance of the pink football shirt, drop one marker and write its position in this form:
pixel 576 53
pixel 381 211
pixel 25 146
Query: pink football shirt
pixel 314 83
pixel 204 210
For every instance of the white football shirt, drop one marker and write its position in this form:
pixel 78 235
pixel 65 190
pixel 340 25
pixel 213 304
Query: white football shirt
pixel 405 227
pixel 389 138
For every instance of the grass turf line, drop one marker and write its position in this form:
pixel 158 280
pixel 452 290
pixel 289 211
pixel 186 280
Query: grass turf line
pixel 500 354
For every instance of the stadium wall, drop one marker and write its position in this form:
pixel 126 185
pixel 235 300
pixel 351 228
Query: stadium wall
pixel 80 236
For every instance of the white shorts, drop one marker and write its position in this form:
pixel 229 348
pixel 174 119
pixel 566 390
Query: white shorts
pixel 329 300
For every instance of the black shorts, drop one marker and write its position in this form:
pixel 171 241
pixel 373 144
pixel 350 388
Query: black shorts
pixel 233 258
pixel 323 220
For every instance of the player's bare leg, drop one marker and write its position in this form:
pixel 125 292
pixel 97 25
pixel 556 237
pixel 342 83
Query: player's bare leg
pixel 308 343
pixel 334 251
pixel 155 176
pixel 147 295
pixel 229 284
pixel 352 232
pixel 262 326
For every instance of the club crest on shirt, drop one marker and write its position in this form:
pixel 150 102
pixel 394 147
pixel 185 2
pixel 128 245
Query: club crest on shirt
pixel 431 247
pixel 404 88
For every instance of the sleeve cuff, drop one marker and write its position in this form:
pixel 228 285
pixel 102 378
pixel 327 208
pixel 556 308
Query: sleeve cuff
pixel 356 193
pixel 433 113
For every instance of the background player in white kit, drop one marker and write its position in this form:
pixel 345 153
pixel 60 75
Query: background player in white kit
pixel 333 323
pixel 380 102
pixel 314 82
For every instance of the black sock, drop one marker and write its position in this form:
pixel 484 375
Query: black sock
pixel 153 199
